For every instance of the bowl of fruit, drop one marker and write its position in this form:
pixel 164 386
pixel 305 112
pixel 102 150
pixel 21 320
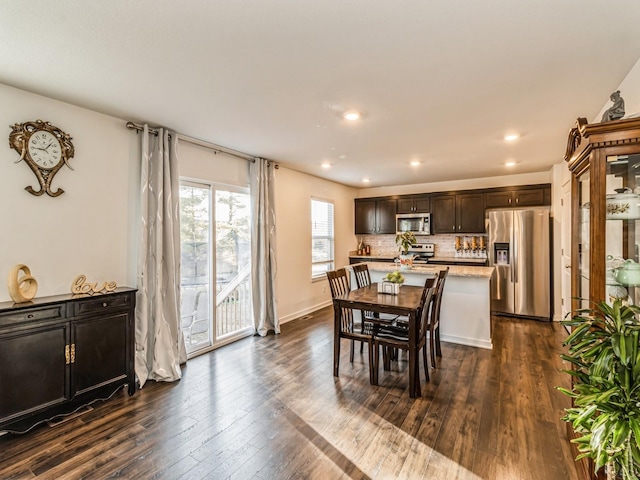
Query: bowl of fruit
pixel 391 283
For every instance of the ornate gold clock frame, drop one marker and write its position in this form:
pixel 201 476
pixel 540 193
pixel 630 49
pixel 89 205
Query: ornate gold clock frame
pixel 44 148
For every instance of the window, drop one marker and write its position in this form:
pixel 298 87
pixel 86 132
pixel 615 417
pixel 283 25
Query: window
pixel 322 259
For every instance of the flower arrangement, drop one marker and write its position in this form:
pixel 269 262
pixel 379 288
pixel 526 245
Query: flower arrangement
pixel 405 240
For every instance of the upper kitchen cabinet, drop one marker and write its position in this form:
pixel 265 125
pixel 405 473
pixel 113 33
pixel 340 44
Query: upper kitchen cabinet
pixel 414 204
pixel 375 216
pixel 521 196
pixel 458 213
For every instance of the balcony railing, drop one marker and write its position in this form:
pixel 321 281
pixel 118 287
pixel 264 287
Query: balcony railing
pixel 233 303
pixel 233 309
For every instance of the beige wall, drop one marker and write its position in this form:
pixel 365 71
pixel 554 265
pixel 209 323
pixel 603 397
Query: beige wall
pixel 488 182
pixel 297 294
pixel 88 229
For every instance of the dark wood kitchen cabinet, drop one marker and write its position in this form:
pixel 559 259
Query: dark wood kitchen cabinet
pixel 414 204
pixel 375 216
pixel 518 197
pixel 59 353
pixel 458 213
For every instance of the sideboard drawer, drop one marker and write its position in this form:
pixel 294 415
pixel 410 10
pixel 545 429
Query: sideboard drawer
pixel 32 315
pixel 95 305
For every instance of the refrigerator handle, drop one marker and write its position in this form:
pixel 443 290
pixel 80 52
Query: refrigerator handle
pixel 515 238
pixel 512 253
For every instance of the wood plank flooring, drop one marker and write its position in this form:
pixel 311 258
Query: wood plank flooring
pixel 270 408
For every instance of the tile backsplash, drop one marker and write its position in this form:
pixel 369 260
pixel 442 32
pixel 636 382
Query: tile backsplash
pixel 386 244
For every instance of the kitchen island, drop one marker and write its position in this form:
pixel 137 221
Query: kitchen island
pixel 465 317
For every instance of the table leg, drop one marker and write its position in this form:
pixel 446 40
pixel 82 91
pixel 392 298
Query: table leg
pixel 414 371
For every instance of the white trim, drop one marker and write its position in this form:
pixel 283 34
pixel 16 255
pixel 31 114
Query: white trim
pixel 306 311
pixel 471 342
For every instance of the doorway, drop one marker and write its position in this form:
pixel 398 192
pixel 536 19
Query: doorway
pixel 215 267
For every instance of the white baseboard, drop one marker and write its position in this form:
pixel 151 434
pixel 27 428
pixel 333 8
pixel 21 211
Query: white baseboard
pixel 306 311
pixel 471 342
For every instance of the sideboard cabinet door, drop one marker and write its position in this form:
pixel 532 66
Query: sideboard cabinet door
pixel 100 344
pixel 35 371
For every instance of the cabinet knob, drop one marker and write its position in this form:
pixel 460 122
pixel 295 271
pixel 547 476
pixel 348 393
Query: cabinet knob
pixel 30 315
pixel 104 304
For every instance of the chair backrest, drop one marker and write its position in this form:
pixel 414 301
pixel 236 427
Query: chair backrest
pixel 426 304
pixel 361 272
pixel 339 284
pixel 435 314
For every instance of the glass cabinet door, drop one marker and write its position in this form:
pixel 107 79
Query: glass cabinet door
pixel 622 228
pixel 584 254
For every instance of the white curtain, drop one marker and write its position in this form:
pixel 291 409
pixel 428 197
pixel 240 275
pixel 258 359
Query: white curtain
pixel 263 246
pixel 160 347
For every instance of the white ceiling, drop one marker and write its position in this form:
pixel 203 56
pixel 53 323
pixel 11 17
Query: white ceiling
pixel 437 81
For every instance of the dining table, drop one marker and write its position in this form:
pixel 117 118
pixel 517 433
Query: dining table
pixel 406 302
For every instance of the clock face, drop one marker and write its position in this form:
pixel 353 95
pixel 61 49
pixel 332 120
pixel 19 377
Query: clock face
pixel 44 149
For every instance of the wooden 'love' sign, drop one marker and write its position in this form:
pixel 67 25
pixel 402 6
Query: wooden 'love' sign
pixel 81 286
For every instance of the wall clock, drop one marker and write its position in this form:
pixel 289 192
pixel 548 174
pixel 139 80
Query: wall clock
pixel 45 149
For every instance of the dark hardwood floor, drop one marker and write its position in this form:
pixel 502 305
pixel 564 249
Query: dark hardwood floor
pixel 270 408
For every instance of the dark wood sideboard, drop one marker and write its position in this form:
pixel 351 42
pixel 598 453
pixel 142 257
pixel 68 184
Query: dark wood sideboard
pixel 62 352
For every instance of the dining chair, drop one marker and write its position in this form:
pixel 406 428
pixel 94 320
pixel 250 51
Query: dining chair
pixel 339 284
pixel 363 278
pixel 434 318
pixel 397 337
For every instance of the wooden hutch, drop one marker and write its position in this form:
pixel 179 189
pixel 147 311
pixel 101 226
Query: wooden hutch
pixel 604 159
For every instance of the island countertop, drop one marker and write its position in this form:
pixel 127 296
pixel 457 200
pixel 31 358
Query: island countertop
pixel 454 270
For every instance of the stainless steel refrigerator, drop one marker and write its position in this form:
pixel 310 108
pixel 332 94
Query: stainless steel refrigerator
pixel 519 249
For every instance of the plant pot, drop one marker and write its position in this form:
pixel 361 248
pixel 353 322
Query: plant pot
pixel 406 261
pixel 388 287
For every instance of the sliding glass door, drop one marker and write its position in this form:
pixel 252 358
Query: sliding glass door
pixel 216 265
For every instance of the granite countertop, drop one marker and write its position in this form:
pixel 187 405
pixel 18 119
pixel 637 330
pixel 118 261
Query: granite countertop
pixel 373 257
pixel 454 270
pixel 460 259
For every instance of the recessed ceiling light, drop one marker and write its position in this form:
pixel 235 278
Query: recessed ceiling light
pixel 351 115
pixel 511 137
pixel 415 163
pixel 366 180
pixel 510 163
pixel 326 165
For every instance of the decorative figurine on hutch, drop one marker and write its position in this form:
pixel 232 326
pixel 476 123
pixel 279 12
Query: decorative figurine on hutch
pixel 616 112
pixel 22 288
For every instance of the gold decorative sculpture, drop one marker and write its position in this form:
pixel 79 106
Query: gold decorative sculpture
pixel 22 288
pixel 81 286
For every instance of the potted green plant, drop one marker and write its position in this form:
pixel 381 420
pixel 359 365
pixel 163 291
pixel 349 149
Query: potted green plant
pixel 605 356
pixel 404 241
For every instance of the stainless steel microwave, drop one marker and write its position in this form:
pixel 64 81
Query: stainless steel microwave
pixel 416 223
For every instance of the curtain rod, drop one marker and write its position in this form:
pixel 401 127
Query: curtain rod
pixel 202 143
